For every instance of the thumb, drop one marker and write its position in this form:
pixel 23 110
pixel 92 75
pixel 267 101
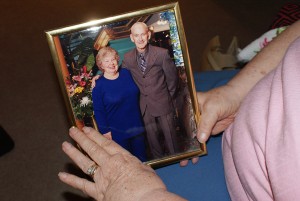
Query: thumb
pixel 207 121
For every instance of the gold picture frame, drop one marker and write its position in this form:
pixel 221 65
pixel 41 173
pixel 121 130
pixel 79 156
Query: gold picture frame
pixel 73 51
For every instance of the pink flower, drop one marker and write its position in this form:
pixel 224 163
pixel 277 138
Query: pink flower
pixel 84 68
pixel 68 82
pixel 77 78
pixel 72 89
pixel 87 75
pixel 82 83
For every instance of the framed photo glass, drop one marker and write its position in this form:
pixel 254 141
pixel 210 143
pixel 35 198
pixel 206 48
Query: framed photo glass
pixel 164 104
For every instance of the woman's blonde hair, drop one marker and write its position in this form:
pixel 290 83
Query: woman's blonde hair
pixel 103 52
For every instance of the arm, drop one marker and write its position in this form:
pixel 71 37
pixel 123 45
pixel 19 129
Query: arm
pixel 219 106
pixel 119 175
pixel 96 77
pixel 100 112
pixel 124 62
pixel 265 61
pixel 170 72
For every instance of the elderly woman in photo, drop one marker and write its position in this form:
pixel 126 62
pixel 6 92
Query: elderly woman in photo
pixel 116 104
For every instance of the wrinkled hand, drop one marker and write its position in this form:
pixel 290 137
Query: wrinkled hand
pixel 120 175
pixel 218 109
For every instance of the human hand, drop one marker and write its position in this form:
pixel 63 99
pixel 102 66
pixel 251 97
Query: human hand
pixel 96 77
pixel 119 176
pixel 218 109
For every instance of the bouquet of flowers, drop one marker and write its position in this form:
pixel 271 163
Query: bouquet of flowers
pixel 80 93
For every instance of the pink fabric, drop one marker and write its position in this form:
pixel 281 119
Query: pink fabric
pixel 261 149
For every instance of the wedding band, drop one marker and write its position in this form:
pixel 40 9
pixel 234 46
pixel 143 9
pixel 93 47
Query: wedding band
pixel 92 169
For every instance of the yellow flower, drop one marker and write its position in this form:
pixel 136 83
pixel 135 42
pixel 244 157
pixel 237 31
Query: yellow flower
pixel 78 90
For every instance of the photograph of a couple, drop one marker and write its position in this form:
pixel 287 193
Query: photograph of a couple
pixel 130 80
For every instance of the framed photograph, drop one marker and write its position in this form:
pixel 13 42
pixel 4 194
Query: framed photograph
pixel 157 121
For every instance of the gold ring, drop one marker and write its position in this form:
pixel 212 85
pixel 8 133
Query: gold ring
pixel 92 169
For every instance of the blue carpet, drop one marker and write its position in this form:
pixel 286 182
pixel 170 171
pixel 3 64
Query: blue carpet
pixel 205 180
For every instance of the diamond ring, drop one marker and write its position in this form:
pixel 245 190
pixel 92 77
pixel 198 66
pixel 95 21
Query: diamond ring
pixel 92 169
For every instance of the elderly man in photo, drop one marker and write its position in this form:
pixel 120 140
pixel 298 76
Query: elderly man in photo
pixel 156 76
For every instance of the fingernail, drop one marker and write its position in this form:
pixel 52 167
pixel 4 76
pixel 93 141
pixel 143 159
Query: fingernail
pixel 86 129
pixel 195 160
pixel 202 137
pixel 66 145
pixel 62 175
pixel 73 130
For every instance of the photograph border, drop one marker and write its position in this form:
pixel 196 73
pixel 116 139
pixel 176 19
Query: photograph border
pixel 56 52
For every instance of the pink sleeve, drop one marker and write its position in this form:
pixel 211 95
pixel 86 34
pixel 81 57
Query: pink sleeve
pixel 261 149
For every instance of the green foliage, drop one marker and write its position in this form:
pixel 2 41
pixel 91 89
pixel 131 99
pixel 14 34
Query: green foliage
pixel 84 51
